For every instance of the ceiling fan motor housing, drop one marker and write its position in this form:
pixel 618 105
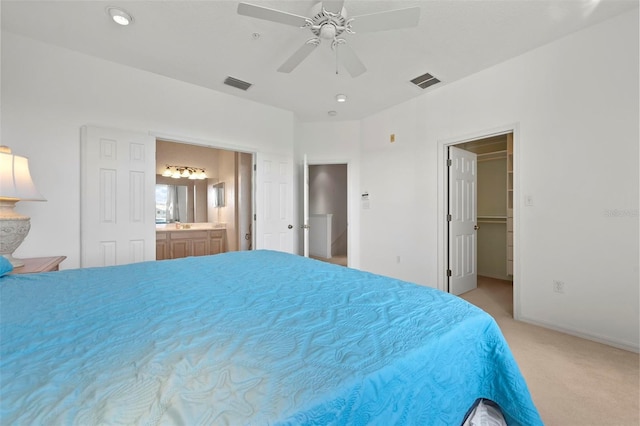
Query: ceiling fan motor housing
pixel 328 25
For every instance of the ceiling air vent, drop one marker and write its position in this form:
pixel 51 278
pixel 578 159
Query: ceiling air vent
pixel 425 80
pixel 238 84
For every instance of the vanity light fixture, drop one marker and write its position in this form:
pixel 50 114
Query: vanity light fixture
pixel 341 98
pixel 119 16
pixel 178 172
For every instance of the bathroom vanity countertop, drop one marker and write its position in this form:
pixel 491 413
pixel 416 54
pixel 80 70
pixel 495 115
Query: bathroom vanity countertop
pixel 189 227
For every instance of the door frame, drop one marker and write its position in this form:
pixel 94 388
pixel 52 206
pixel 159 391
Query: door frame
pixel 443 180
pixel 350 209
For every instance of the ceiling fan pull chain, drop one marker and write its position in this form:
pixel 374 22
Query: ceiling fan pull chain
pixel 334 45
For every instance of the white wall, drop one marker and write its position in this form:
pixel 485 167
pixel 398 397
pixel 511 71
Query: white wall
pixel 575 103
pixel 48 93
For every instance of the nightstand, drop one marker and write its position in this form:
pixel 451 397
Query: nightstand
pixel 36 265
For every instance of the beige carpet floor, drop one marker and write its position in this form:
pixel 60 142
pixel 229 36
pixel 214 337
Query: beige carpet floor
pixel 573 381
pixel 336 260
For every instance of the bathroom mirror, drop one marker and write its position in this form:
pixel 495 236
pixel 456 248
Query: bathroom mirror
pixel 180 200
pixel 217 195
pixel 171 203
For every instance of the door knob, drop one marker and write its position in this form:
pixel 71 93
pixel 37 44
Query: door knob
pixel 290 226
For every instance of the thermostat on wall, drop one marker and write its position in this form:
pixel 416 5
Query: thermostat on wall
pixel 364 198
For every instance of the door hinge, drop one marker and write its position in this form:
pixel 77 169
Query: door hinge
pixel 255 167
pixel 448 272
pixel 254 217
pixel 449 162
pixel 448 218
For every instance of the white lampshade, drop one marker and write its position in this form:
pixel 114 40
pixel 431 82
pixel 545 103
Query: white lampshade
pixel 15 179
pixel 15 185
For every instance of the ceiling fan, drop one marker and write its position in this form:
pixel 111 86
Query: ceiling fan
pixel 329 21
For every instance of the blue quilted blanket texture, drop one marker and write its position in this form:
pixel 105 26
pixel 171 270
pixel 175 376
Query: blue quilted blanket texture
pixel 246 338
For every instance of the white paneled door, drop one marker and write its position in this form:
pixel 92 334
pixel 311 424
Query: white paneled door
pixel 462 219
pixel 117 197
pixel 274 202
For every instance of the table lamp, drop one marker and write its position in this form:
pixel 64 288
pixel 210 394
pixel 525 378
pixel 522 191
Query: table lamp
pixel 15 185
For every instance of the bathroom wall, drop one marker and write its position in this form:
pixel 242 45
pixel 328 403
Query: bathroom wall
pixel 182 154
pixel 226 173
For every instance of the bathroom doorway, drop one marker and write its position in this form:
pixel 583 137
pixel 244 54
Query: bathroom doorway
pixel 224 198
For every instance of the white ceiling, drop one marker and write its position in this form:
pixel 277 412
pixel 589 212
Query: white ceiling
pixel 203 42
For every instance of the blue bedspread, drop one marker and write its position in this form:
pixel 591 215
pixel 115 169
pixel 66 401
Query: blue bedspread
pixel 255 338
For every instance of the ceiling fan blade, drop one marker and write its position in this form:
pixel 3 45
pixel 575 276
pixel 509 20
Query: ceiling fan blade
pixel 334 6
pixel 350 60
pixel 389 20
pixel 273 15
pixel 299 55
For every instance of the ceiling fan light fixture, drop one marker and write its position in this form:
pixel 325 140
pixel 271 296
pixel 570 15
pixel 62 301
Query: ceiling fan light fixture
pixel 341 98
pixel 328 31
pixel 119 16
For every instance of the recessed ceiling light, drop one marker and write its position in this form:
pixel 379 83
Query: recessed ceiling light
pixel 341 98
pixel 119 16
pixel 332 113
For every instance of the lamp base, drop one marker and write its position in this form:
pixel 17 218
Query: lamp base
pixel 14 227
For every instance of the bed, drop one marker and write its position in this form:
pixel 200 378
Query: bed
pixel 246 338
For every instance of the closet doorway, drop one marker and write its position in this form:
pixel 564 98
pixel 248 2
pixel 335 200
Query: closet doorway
pixel 492 251
pixel 494 204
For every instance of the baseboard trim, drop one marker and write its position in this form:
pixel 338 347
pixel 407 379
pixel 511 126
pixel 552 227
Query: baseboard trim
pixel 627 346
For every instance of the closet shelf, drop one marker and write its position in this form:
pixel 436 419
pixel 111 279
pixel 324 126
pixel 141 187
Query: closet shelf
pixel 492 219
